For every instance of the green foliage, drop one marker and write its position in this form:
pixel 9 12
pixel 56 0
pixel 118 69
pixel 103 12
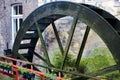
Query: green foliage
pixel 7 66
pixel 113 75
pixel 3 64
pixel 58 60
pixel 51 76
pixel 97 59
pixel 23 70
pixel 69 65
pixel 7 78
pixel 99 51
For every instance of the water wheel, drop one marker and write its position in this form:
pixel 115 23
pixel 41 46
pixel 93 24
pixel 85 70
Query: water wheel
pixel 103 23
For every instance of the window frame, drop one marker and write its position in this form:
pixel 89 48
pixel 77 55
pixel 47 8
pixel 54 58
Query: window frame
pixel 17 17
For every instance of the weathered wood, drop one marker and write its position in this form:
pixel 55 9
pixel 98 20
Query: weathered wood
pixel 68 72
pixel 58 39
pixel 43 45
pixel 70 38
pixel 39 56
pixel 45 21
pixel 30 36
pixel 106 70
pixel 82 47
pixel 25 46
pixel 99 19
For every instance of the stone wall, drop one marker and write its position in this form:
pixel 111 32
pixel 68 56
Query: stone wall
pixel 5 26
pixel 6 20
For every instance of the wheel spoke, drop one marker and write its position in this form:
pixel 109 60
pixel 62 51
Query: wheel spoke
pixel 43 44
pixel 70 39
pixel 39 56
pixel 82 46
pixel 64 71
pixel 21 57
pixel 58 39
pixel 106 70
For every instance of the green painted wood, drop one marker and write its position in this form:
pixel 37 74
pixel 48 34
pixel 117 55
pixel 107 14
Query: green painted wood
pixel 23 58
pixel 43 45
pixel 33 42
pixel 30 36
pixel 45 21
pixel 25 46
pixel 39 56
pixel 58 39
pixel 107 16
pixel 106 70
pixel 70 38
pixel 82 47
pixel 68 72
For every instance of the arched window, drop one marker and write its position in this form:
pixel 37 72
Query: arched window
pixel 17 19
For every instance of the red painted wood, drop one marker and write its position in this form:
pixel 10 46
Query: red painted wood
pixel 15 74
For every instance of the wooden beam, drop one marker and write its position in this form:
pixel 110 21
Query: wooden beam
pixel 82 47
pixel 58 39
pixel 43 44
pixel 70 38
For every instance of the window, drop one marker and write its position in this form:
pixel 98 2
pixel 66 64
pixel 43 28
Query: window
pixel 116 3
pixel 17 19
pixel 91 2
pixel 88 0
pixel 117 0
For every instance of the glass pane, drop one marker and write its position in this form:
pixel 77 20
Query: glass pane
pixel 20 9
pixel 20 22
pixel 15 12
pixel 16 25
